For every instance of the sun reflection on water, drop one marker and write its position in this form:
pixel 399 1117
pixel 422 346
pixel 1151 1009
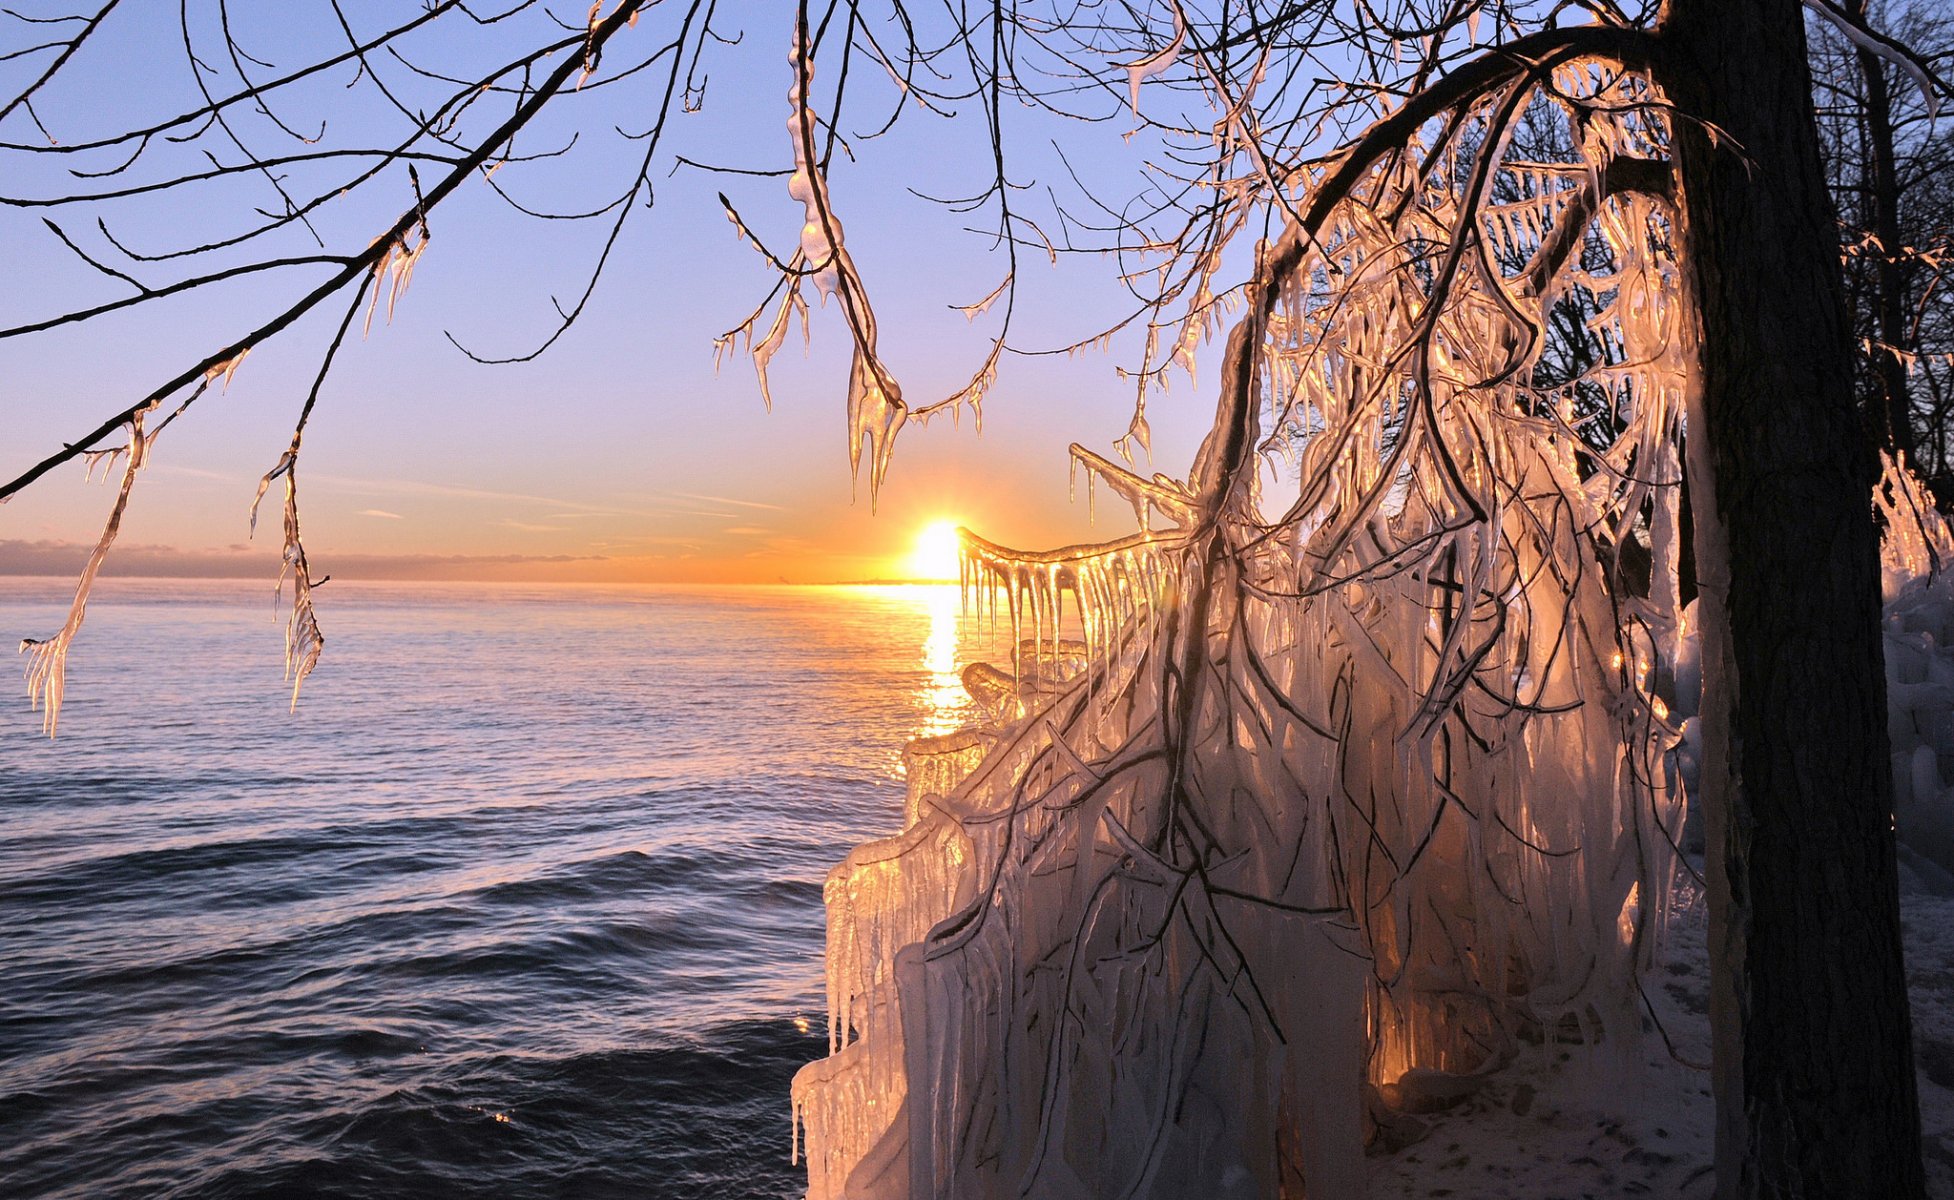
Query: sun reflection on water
pixel 944 705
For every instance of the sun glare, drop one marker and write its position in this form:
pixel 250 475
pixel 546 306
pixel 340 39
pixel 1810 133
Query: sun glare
pixel 937 552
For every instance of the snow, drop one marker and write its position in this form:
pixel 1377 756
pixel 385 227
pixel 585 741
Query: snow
pixel 1553 1126
pixel 1927 920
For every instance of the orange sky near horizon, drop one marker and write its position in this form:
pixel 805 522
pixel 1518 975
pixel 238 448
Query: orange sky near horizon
pixel 460 473
pixel 791 518
pixel 628 453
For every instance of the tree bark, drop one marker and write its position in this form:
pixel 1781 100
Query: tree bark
pixel 1813 1059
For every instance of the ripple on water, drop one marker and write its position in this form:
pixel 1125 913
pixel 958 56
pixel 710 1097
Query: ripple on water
pixel 525 901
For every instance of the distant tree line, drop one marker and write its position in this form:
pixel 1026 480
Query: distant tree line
pixel 1890 165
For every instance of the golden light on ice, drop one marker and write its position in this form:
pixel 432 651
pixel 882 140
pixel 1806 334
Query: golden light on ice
pixel 936 554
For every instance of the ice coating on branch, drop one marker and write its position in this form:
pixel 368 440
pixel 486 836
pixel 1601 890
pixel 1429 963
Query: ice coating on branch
pixel 1153 64
pixel 972 311
pixel 303 639
pixel 227 370
pixel 391 274
pixel 1296 810
pixel 1855 29
pixel 776 337
pixel 47 661
pixel 821 234
pixel 1167 497
pixel 876 408
pixel 1917 545
pixel 876 412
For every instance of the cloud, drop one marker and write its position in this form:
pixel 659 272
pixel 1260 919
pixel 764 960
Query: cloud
pixel 198 473
pixel 663 505
pixel 379 512
pixel 415 487
pixel 48 557
pixel 727 500
pixel 690 543
pixel 748 530
pixel 526 527
pixel 63 558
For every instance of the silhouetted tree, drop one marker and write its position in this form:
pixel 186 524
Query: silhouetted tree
pixel 1469 347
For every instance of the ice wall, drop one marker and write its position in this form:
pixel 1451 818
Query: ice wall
pixel 1297 810
pixel 1917 555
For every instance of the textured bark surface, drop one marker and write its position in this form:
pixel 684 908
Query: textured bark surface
pixel 1814 1063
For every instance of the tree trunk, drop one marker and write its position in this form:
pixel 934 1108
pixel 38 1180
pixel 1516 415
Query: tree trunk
pixel 1813 1060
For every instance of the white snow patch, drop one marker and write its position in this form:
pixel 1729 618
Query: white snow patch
pixel 1556 1125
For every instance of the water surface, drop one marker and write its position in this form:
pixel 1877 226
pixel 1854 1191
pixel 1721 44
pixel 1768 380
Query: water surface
pixel 524 901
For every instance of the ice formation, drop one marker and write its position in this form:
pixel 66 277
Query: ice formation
pixel 47 660
pixel 1918 561
pixel 1917 569
pixel 304 641
pixel 877 411
pixel 1297 809
pixel 1156 63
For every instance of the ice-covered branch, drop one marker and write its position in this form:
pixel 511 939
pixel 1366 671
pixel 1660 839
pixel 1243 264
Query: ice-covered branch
pixel 47 661
pixel 1343 789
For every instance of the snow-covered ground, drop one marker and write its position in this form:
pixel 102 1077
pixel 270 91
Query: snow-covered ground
pixel 1929 922
pixel 1555 1126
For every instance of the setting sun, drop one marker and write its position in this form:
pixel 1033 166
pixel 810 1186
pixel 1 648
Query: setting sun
pixel 937 552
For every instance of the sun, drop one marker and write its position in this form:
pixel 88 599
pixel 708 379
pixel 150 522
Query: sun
pixel 937 554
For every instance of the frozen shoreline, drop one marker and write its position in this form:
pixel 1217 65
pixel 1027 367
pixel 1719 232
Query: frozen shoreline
pixel 1554 1127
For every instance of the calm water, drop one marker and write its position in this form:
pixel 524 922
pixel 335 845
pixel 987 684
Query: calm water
pixel 524 901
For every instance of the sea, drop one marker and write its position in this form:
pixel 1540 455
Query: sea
pixel 522 900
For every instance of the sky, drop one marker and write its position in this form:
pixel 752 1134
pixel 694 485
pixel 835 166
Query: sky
pixel 627 452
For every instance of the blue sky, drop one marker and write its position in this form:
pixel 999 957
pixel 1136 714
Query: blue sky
pixel 623 453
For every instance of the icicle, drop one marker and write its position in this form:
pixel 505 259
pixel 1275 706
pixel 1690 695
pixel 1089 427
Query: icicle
pixel 1403 698
pixel 1155 63
pixel 875 414
pixel 391 274
pixel 777 337
pixel 227 369
pixel 303 640
pixel 47 661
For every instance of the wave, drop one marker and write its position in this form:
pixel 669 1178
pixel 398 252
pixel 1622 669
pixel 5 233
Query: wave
pixel 703 1117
